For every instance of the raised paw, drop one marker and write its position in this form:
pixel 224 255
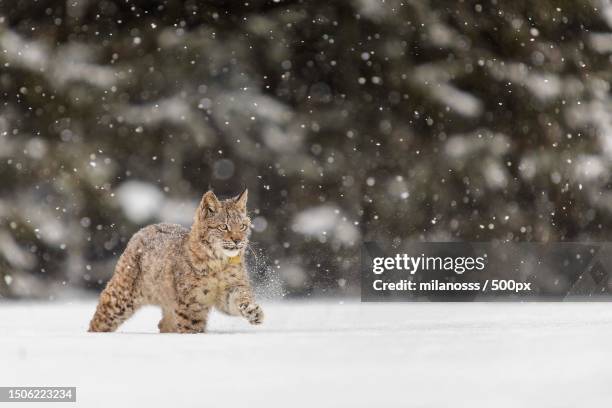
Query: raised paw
pixel 252 312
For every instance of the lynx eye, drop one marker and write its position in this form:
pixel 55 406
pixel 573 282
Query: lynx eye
pixel 243 227
pixel 223 227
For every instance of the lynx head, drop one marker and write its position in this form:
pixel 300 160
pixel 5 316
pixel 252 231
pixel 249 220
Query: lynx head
pixel 223 224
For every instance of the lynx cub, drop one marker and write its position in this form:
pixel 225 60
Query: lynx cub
pixel 186 272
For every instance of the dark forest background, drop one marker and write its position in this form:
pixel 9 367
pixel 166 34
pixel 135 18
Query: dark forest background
pixel 347 120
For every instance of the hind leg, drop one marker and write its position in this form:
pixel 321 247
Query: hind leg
pixel 119 300
pixel 113 309
pixel 168 323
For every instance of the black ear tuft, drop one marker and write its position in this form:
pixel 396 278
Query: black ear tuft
pixel 241 199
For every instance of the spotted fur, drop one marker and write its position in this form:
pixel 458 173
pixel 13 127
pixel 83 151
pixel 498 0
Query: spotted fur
pixel 185 271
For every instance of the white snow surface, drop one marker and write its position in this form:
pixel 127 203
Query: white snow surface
pixel 321 354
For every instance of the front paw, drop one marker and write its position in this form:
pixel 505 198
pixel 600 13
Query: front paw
pixel 252 312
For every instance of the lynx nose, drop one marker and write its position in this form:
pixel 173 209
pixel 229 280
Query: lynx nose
pixel 236 240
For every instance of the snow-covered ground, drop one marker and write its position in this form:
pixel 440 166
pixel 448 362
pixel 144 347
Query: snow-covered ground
pixel 322 354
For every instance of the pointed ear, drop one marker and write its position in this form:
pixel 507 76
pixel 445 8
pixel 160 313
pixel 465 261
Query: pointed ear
pixel 210 204
pixel 241 200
